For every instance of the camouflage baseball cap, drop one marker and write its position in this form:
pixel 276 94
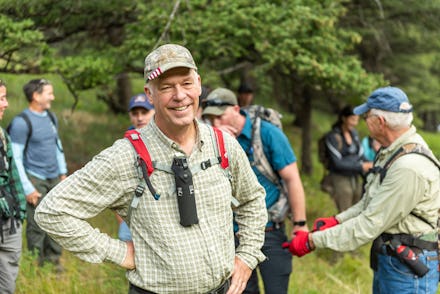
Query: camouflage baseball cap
pixel 166 57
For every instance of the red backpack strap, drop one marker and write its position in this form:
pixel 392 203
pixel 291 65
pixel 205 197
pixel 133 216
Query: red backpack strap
pixel 221 148
pixel 135 138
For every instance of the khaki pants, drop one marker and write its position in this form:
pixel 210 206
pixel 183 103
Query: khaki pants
pixel 347 190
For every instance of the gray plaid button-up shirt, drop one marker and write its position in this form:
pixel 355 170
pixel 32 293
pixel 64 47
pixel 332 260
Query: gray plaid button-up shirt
pixel 169 258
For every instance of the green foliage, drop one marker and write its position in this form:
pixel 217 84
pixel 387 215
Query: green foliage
pixel 401 40
pixel 297 38
pixel 86 71
pixel 22 46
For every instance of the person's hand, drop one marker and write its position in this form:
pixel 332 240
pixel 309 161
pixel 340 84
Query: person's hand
pixel 63 177
pixel 322 223
pixel 228 129
pixel 240 277
pixel 33 198
pixel 366 166
pixel 128 262
pixel 299 246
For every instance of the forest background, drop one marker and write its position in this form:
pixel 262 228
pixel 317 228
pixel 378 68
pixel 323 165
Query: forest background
pixel 306 58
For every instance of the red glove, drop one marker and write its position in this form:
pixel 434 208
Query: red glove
pixel 322 223
pixel 299 245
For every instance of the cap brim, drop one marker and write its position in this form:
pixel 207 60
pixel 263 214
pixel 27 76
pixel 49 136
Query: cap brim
pixel 140 106
pixel 361 109
pixel 214 110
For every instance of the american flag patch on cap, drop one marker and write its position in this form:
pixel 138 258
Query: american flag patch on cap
pixel 155 73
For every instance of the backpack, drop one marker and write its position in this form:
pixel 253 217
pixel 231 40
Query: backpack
pixel 265 113
pixel 324 159
pixel 281 208
pixel 25 117
pixel 145 166
pixel 410 148
pixel 9 205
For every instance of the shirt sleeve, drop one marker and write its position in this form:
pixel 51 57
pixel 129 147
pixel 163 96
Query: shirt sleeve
pixel 251 214
pixel 277 147
pixel 62 166
pixel 18 151
pixel 15 182
pixel 63 211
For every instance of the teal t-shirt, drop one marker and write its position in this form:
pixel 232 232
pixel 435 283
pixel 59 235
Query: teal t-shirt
pixel 276 147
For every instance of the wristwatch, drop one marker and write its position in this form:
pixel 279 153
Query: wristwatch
pixel 300 223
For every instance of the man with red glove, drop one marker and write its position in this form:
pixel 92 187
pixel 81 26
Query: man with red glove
pixel 399 208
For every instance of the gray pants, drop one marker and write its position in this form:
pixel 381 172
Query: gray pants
pixel 37 239
pixel 10 251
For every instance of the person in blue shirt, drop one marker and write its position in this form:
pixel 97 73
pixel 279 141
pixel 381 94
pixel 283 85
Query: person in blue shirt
pixel 140 111
pixel 370 146
pixel 40 161
pixel 223 111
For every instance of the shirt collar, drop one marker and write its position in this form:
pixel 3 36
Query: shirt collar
pixel 152 127
pixel 247 128
pixel 402 140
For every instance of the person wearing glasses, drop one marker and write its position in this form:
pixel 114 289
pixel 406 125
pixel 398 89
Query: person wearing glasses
pixel 222 109
pixel 181 224
pixel 12 208
pixel 40 161
pixel 347 163
pixel 399 208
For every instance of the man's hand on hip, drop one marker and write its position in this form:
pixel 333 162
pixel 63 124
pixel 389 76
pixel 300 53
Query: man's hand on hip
pixel 128 262
pixel 240 277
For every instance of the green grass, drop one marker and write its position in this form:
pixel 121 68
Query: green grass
pixel 91 128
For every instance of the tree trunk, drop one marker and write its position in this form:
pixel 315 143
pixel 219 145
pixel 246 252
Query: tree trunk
pixel 123 91
pixel 306 131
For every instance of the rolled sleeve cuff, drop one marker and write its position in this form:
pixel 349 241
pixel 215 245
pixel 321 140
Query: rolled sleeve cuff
pixel 251 260
pixel 117 251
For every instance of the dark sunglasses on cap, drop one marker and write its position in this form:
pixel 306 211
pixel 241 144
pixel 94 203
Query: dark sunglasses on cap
pixel 216 102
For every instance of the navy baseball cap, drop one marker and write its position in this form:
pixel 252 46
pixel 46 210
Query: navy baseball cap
pixel 390 99
pixel 140 100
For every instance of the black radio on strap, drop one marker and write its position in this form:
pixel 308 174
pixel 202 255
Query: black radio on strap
pixel 185 192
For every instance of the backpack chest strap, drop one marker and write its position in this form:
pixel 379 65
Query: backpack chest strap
pixel 194 168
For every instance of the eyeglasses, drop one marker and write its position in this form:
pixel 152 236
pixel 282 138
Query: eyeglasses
pixel 215 102
pixel 366 116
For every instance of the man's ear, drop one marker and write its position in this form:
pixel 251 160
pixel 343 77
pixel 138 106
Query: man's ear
pixel 148 93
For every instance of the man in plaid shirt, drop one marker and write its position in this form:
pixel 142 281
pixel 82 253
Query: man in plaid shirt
pixel 172 251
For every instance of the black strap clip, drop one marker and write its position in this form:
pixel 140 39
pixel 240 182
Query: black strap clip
pixel 205 164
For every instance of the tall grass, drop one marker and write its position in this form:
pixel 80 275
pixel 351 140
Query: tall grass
pixel 91 128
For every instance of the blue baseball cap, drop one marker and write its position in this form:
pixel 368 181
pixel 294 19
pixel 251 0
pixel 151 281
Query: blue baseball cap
pixel 140 100
pixel 390 99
